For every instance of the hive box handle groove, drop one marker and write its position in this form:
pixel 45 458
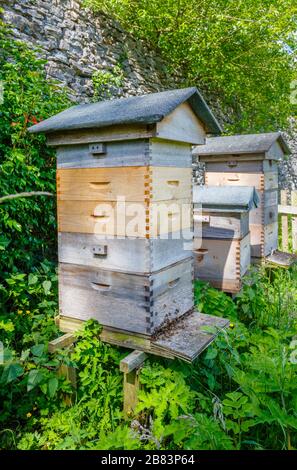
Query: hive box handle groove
pixel 99 185
pixel 173 283
pixel 174 183
pixel 100 286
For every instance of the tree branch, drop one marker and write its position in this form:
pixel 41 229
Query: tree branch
pixel 29 194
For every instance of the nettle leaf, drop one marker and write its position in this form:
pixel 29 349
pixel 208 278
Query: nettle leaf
pixel 35 377
pixel 25 354
pixel 11 372
pixel 53 384
pixel 32 279
pixel 6 325
pixel 4 242
pixel 211 381
pixel 46 286
pixel 211 353
pixel 38 350
pixel 232 426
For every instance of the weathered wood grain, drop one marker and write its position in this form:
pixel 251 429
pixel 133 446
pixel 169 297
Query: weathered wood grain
pixel 294 220
pixel 264 215
pixel 132 361
pixel 232 157
pixel 186 340
pixel 135 255
pixel 106 134
pixel 264 239
pixel 233 165
pixel 284 221
pixel 190 336
pixel 125 301
pixel 287 210
pixel 132 183
pixel 173 296
pixel 221 225
pixel 281 258
pixel 130 219
pixel 117 154
pixel 222 262
pixel 182 125
pixel 168 153
pixel 261 181
pixel 131 386
pixel 62 342
pixel 232 286
pixel 275 152
pixel 268 198
pixel 140 152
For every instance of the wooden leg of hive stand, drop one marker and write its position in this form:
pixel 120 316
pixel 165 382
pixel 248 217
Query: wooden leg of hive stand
pixel 64 370
pixel 130 366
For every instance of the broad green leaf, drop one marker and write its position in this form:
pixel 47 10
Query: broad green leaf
pixel 38 350
pixel 32 279
pixel 35 376
pixel 211 353
pixel 4 242
pixel 11 372
pixel 7 326
pixel 46 286
pixel 25 354
pixel 52 386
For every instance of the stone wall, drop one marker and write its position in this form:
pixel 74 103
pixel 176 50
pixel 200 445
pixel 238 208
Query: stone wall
pixel 288 167
pixel 77 43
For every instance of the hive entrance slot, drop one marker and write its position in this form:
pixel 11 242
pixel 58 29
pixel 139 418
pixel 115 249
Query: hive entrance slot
pixel 100 217
pixel 100 286
pixel 200 254
pixel 171 215
pixel 99 185
pixel 173 283
pixel 174 183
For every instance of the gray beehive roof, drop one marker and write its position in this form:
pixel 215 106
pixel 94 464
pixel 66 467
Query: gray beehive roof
pixel 145 109
pixel 226 198
pixel 239 144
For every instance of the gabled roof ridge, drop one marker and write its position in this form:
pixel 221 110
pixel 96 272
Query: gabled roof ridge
pixel 148 109
pixel 242 143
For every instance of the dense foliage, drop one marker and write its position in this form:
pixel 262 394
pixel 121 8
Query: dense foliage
pixel 239 52
pixel 241 393
pixel 27 225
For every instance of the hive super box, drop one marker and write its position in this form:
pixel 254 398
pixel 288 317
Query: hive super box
pixel 222 252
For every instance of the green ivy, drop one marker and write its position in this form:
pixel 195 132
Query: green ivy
pixel 240 53
pixel 27 225
pixel 106 84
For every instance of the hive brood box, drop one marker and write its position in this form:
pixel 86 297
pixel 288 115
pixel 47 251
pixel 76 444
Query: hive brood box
pixel 249 160
pixel 133 273
pixel 222 251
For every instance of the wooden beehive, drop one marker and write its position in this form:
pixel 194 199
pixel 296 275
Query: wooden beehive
pixel 222 252
pixel 249 160
pixel 124 194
